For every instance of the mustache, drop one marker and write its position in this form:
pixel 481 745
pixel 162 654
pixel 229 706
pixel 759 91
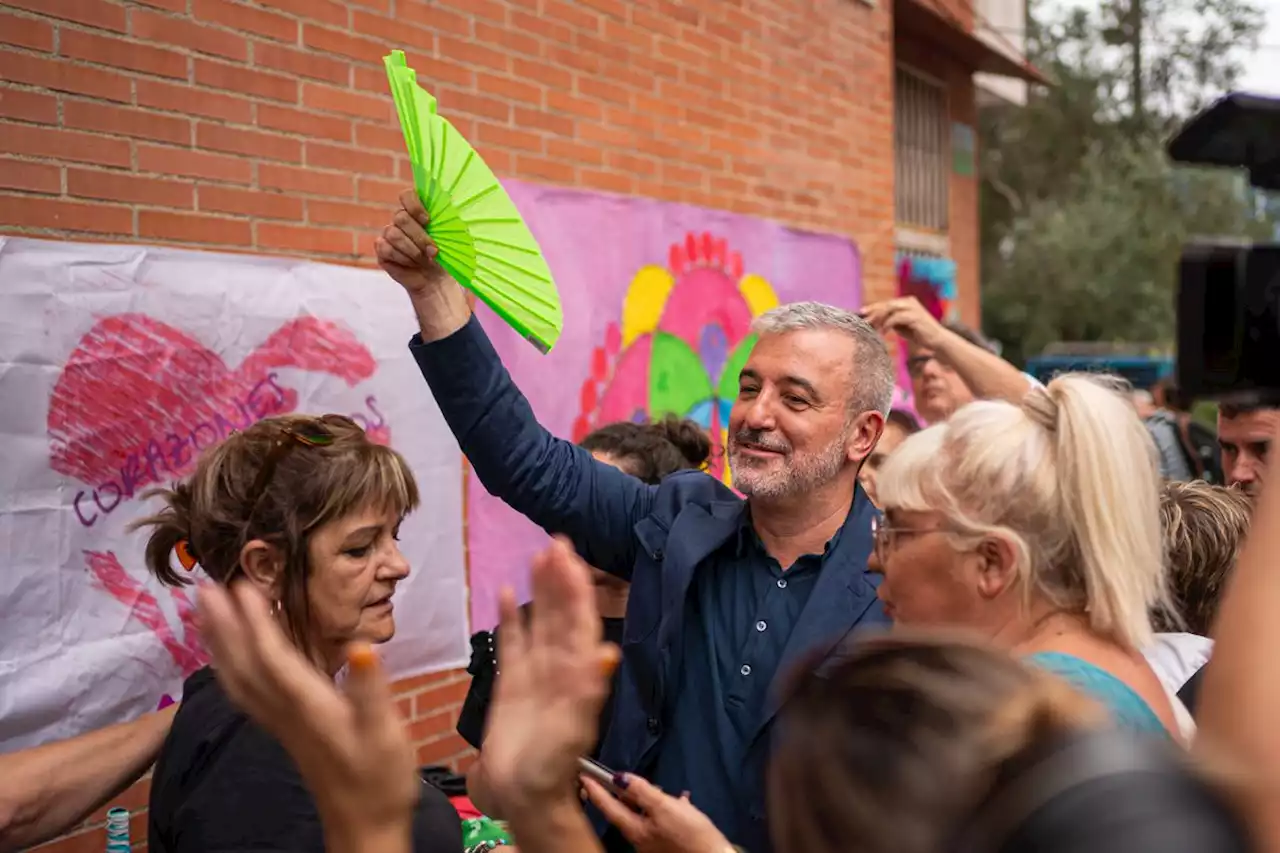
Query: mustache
pixel 761 439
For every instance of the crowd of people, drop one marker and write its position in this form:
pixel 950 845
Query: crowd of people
pixel 1012 624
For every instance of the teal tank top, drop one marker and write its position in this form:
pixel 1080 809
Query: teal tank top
pixel 1129 710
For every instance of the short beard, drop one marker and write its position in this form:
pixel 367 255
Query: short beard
pixel 795 477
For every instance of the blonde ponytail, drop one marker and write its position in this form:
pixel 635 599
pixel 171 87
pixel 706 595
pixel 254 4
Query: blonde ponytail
pixel 1109 482
pixel 1068 479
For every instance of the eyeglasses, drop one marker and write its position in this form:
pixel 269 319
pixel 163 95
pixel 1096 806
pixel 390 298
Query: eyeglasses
pixel 916 363
pixel 881 537
pixel 313 434
pixel 885 538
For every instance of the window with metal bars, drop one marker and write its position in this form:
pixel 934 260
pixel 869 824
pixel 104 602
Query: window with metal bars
pixel 921 165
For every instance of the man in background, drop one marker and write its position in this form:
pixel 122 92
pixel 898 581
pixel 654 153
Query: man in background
pixel 1244 435
pixel 1188 450
pixel 949 364
pixel 1204 528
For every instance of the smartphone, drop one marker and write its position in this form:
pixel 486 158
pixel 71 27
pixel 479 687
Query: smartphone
pixel 598 773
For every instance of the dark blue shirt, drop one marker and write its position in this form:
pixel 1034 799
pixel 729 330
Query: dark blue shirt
pixel 744 606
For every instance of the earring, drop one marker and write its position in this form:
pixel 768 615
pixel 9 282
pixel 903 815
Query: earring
pixel 275 607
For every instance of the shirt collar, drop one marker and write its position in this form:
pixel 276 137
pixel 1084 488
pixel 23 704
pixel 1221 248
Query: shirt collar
pixel 747 539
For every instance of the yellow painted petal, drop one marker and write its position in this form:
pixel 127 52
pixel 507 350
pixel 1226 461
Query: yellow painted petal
pixel 726 475
pixel 758 293
pixel 645 299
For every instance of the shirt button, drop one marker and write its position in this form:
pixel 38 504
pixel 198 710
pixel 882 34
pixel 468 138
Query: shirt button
pixel 652 725
pixel 746 669
pixel 782 583
pixel 761 625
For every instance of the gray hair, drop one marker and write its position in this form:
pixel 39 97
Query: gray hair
pixel 873 369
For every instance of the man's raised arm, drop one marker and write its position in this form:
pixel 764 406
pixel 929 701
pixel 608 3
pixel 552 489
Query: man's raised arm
pixel 554 483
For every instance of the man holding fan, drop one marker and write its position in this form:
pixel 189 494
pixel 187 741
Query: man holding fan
pixel 727 594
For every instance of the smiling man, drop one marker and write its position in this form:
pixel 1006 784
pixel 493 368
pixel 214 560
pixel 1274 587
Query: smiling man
pixel 727 595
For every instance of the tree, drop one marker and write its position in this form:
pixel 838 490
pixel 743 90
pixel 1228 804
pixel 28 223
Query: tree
pixel 1082 215
pixel 1178 55
pixel 1097 261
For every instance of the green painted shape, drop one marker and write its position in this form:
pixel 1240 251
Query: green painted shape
pixel 733 366
pixel 677 379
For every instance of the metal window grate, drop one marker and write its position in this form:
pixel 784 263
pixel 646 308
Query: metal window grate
pixel 921 164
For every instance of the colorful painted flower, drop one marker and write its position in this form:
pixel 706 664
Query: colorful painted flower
pixel 684 336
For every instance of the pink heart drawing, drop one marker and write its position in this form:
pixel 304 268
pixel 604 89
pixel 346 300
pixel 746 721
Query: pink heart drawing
pixel 137 401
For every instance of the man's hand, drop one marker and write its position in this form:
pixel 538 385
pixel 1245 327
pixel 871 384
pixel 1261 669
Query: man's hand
pixel 908 318
pixel 406 253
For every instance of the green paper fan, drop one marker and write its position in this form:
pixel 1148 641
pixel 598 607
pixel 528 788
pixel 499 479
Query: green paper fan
pixel 483 241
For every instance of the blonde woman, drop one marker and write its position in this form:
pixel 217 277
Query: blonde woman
pixel 1038 527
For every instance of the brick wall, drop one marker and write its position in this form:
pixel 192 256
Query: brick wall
pixel 962 190
pixel 265 126
pixel 430 704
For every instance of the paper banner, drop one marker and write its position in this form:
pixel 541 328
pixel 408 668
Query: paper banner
pixel 118 364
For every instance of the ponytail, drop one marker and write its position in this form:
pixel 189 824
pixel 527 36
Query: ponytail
pixel 1109 491
pixel 169 526
pixel 687 437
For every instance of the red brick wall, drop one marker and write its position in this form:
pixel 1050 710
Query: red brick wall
pixel 962 190
pixel 265 126
pixel 430 703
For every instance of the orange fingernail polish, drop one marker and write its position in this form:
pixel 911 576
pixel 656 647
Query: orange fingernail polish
pixel 610 662
pixel 360 656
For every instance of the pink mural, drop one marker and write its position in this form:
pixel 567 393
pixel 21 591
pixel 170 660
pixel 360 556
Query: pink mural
pixel 684 334
pixel 658 303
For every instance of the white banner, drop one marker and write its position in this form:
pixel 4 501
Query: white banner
pixel 117 365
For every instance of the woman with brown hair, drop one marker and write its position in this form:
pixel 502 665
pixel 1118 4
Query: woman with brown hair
pixel 307 511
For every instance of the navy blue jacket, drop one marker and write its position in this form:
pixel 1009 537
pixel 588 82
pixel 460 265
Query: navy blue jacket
pixel 654 536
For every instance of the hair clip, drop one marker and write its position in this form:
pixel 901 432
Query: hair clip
pixel 186 556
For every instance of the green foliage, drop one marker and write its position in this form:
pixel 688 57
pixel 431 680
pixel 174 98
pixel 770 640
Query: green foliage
pixel 1083 217
pixel 1206 412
